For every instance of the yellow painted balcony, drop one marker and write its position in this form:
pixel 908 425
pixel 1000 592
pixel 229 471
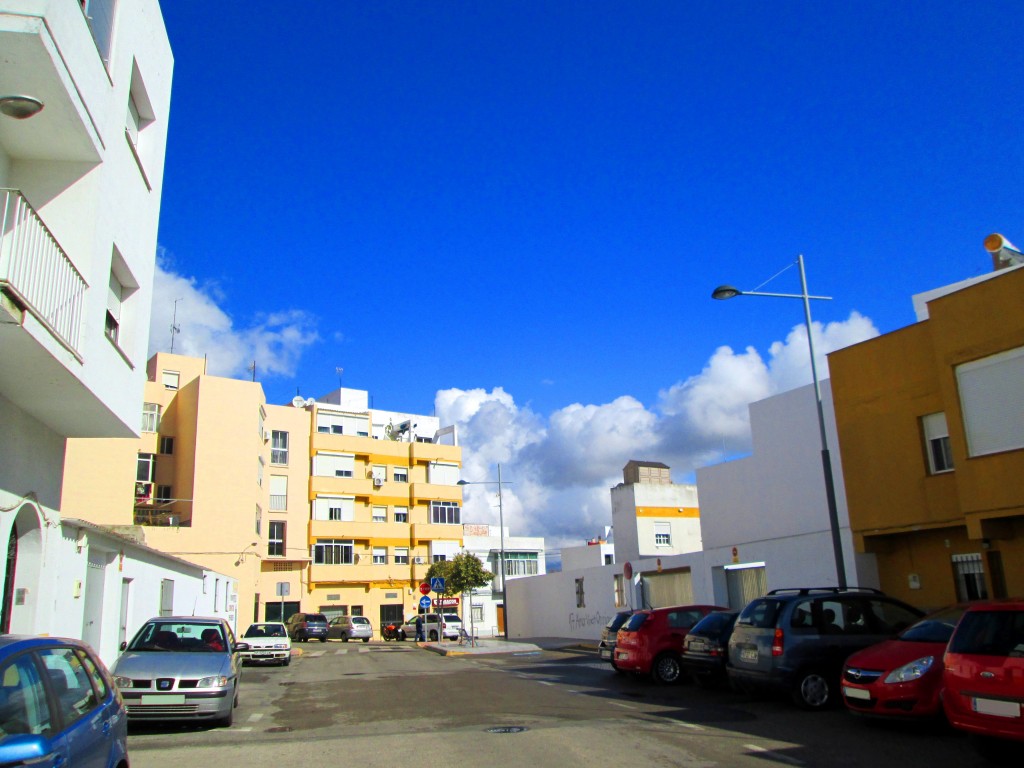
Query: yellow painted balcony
pixel 426 452
pixel 340 486
pixel 360 446
pixel 432 532
pixel 432 492
pixel 386 534
pixel 362 572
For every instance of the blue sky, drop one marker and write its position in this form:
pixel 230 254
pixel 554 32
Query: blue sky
pixel 514 213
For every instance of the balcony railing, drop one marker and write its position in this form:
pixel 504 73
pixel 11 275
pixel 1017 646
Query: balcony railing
pixel 36 271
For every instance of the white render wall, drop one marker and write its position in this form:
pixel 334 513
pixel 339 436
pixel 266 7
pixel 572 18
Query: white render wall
pixel 586 556
pixel 487 548
pixel 634 536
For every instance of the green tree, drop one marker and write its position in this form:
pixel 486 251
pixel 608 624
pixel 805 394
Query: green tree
pixel 461 574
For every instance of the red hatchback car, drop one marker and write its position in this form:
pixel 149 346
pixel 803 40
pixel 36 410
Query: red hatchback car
pixel 651 641
pixel 983 675
pixel 902 677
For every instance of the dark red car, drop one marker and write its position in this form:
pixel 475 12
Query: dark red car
pixel 983 674
pixel 651 641
pixel 902 677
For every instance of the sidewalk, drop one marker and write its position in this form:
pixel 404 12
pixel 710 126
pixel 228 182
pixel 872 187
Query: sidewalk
pixel 528 645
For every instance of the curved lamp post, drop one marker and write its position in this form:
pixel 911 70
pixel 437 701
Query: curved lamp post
pixel 501 540
pixel 729 292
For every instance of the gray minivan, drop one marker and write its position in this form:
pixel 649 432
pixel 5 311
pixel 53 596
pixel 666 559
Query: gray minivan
pixel 796 640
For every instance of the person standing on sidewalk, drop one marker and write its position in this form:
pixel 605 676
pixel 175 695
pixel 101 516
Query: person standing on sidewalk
pixel 419 629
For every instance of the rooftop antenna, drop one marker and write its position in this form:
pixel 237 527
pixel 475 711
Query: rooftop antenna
pixel 339 371
pixel 175 328
pixel 252 369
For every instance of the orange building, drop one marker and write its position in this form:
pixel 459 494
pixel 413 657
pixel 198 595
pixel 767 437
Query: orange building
pixel 931 429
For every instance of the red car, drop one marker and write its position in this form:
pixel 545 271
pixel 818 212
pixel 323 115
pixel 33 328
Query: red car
pixel 983 675
pixel 902 677
pixel 651 641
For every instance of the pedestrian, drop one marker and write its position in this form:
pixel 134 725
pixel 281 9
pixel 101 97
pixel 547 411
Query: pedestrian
pixel 419 629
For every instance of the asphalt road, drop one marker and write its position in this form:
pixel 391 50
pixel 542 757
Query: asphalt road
pixel 396 704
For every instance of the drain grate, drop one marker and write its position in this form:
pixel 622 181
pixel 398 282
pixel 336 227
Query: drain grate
pixel 506 729
pixel 279 729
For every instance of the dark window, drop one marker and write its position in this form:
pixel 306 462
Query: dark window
pixel 760 613
pixel 167 445
pixel 990 633
pixel 275 539
pixel 683 619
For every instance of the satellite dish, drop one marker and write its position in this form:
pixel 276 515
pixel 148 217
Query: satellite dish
pixel 309 401
pixel 299 401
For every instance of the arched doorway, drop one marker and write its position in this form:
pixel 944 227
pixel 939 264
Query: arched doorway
pixel 12 561
pixel 22 570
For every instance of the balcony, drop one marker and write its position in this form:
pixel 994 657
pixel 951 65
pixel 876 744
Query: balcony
pixel 359 531
pixel 43 45
pixel 36 275
pixel 160 516
pixel 340 486
pixel 436 532
pixel 362 573
pixel 427 452
pixel 434 492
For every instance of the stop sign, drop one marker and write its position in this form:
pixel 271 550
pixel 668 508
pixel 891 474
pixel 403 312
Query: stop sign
pixel 424 589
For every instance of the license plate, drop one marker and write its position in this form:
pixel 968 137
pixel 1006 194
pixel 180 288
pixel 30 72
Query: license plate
pixel 605 653
pixel 857 693
pixel 997 708
pixel 623 655
pixel 748 654
pixel 697 645
pixel 261 653
pixel 162 698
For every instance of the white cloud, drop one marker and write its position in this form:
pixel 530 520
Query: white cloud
pixel 275 341
pixel 557 472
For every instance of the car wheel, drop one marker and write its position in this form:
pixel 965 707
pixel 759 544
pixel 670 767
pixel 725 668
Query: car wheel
pixel 286 662
pixel 366 639
pixel 667 669
pixel 344 637
pixel 323 639
pixel 433 636
pixel 812 690
pixel 618 670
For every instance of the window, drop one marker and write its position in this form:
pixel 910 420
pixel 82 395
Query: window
pixel 442 474
pixel 76 698
pixel 115 296
pixel 121 286
pixel 340 424
pixel 620 590
pixel 580 599
pixel 380 555
pixel 25 695
pixel 662 534
pixel 150 417
pixel 278 447
pixel 163 493
pixel 969 573
pixel 380 514
pixel 259 520
pixel 936 438
pixel 167 445
pixel 145 471
pixel 334 464
pixel 478 614
pixel 521 563
pixel 170 379
pixel 992 401
pixel 279 493
pixel 333 552
pixel 259 470
pixel 401 474
pixel 438 558
pixel 139 117
pixel 260 422
pixel 100 15
pixel 275 538
pixel 445 513
pixel 609 559
pixel 401 514
pixel 334 508
pixel 402 555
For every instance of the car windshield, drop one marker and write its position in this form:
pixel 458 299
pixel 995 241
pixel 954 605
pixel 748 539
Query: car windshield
pixel 990 633
pixel 634 622
pixel 617 621
pixel 934 628
pixel 714 623
pixel 760 613
pixel 266 630
pixel 182 636
pixel 316 618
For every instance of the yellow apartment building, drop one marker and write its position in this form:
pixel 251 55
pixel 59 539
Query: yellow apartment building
pixel 931 429
pixel 323 506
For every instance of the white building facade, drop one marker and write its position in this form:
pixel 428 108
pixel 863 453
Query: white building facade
pixel 651 515
pixel 487 611
pixel 81 167
pixel 764 524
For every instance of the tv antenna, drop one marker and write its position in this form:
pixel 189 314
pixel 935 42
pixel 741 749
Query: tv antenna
pixel 339 371
pixel 175 328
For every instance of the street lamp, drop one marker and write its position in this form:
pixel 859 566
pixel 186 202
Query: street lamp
pixel 729 292
pixel 501 540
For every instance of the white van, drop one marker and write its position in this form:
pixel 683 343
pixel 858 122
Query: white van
pixel 450 626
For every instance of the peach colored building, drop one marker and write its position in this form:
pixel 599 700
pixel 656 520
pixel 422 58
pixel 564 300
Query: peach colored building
pixel 322 505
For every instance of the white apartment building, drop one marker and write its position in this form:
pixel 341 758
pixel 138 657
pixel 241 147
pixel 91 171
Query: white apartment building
pixel 84 99
pixel 488 611
pixel 651 515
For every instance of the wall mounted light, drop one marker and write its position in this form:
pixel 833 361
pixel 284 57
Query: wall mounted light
pixel 20 107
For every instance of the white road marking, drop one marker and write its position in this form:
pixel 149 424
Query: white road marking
pixel 622 704
pixel 255 717
pixel 773 755
pixel 691 726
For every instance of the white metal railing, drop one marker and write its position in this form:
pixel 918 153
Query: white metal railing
pixel 37 271
pixel 278 502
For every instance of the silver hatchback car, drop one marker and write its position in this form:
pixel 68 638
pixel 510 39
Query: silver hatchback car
pixel 347 628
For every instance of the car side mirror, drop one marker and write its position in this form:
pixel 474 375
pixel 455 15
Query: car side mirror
pixel 124 644
pixel 241 646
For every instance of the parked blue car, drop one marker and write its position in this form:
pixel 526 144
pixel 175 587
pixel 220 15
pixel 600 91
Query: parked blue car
pixel 58 705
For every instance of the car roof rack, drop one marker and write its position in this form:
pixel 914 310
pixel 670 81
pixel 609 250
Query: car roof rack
pixel 823 590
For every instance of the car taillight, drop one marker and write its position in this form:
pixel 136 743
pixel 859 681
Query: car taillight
pixel 444 625
pixel 777 643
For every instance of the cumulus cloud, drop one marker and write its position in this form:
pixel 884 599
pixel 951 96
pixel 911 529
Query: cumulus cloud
pixel 557 471
pixel 275 340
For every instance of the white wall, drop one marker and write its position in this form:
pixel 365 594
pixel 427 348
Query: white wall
pixel 586 556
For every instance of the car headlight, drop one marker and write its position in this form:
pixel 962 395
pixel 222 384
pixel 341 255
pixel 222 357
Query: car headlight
pixel 123 682
pixel 281 645
pixel 216 681
pixel 912 671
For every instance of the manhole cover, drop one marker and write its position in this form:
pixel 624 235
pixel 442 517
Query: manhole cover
pixel 279 729
pixel 506 729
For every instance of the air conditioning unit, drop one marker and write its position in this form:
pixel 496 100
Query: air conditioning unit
pixel 419 561
pixel 378 482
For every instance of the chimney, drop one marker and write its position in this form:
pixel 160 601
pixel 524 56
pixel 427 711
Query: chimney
pixel 1004 253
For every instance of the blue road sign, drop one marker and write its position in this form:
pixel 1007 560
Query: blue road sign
pixel 437 584
pixel 424 602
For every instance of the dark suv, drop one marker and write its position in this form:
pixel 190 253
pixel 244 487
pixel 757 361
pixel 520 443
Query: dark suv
pixel 796 640
pixel 303 626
